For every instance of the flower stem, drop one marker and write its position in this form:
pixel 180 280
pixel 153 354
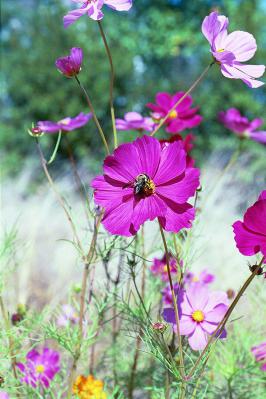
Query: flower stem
pixel 192 87
pixel 223 322
pixel 56 148
pixel 112 79
pixel 97 123
pixel 181 359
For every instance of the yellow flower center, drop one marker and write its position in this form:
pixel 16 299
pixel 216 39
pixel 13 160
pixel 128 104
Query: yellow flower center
pixel 221 50
pixel 39 369
pixel 173 114
pixel 64 121
pixel 195 279
pixel 198 316
pixel 165 269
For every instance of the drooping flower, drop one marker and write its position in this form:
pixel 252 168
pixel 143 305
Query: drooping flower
pixel 67 124
pixel 40 368
pixel 71 64
pixel 4 395
pixel 68 316
pixel 230 50
pixel 89 388
pixel 201 312
pixel 159 267
pixel 183 117
pixel 143 181
pixel 241 126
pixel 203 278
pixel 93 8
pixel 187 145
pixel 135 121
pixel 250 235
pixel 259 352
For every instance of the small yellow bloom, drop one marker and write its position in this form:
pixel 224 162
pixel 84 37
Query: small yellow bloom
pixel 89 388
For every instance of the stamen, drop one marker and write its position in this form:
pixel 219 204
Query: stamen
pixel 198 316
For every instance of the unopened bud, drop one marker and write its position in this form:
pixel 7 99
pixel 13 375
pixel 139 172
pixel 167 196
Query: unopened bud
pixel 35 132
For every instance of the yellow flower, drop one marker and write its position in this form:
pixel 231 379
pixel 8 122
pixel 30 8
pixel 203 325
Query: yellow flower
pixel 89 388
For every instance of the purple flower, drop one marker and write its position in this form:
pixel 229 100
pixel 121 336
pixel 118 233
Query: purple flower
pixel 230 50
pixel 40 368
pixel 135 121
pixel 204 277
pixel 250 235
pixel 159 267
pixel 143 181
pixel 183 117
pixel 259 352
pixel 201 312
pixel 93 8
pixel 241 126
pixel 67 124
pixel 68 316
pixel 71 64
pixel 167 294
pixel 4 395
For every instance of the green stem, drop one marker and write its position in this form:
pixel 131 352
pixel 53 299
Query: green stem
pixel 162 121
pixel 97 123
pixel 112 79
pixel 56 148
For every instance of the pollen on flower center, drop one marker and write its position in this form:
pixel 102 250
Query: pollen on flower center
pixel 198 316
pixel 221 50
pixel 173 114
pixel 64 121
pixel 39 369
pixel 144 185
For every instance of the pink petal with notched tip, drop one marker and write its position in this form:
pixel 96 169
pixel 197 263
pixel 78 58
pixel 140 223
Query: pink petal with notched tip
pixel 255 217
pixel 172 164
pixel 236 72
pixel 149 151
pixel 241 44
pixel 177 217
pixel 213 25
pixel 198 339
pixel 119 5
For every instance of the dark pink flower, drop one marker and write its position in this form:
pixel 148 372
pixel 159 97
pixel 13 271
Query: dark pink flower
pixel 40 368
pixel 183 117
pixel 187 145
pixel 159 267
pixel 143 181
pixel 250 235
pixel 241 126
pixel 201 312
pixel 71 64
pixel 230 50
pixel 167 293
pixel 259 352
pixel 203 278
pixel 67 124
pixel 93 8
pixel 135 121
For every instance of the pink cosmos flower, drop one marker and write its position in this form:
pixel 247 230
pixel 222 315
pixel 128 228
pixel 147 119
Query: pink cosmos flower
pixel 159 267
pixel 250 235
pixel 68 316
pixel 93 8
pixel 203 278
pixel 183 117
pixel 241 126
pixel 67 124
pixel 143 181
pixel 230 50
pixel 135 121
pixel 187 145
pixel 40 368
pixel 71 64
pixel 259 352
pixel 201 312
pixel 4 395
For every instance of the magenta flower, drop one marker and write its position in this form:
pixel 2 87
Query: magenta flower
pixel 167 294
pixel 187 145
pixel 71 64
pixel 230 50
pixel 203 278
pixel 143 181
pixel 135 121
pixel 67 124
pixel 183 117
pixel 40 368
pixel 93 8
pixel 240 125
pixel 159 267
pixel 4 395
pixel 201 312
pixel 259 352
pixel 250 235
pixel 68 316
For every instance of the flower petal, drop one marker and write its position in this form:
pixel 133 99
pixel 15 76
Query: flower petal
pixel 172 163
pixel 241 44
pixel 198 340
pixel 149 152
pixel 177 217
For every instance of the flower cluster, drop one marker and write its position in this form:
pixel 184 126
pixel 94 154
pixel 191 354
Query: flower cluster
pixel 40 368
pixel 89 388
pixel 159 267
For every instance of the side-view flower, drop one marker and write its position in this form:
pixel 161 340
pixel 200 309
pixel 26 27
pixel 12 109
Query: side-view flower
pixel 143 181
pixel 71 64
pixel 135 121
pixel 231 50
